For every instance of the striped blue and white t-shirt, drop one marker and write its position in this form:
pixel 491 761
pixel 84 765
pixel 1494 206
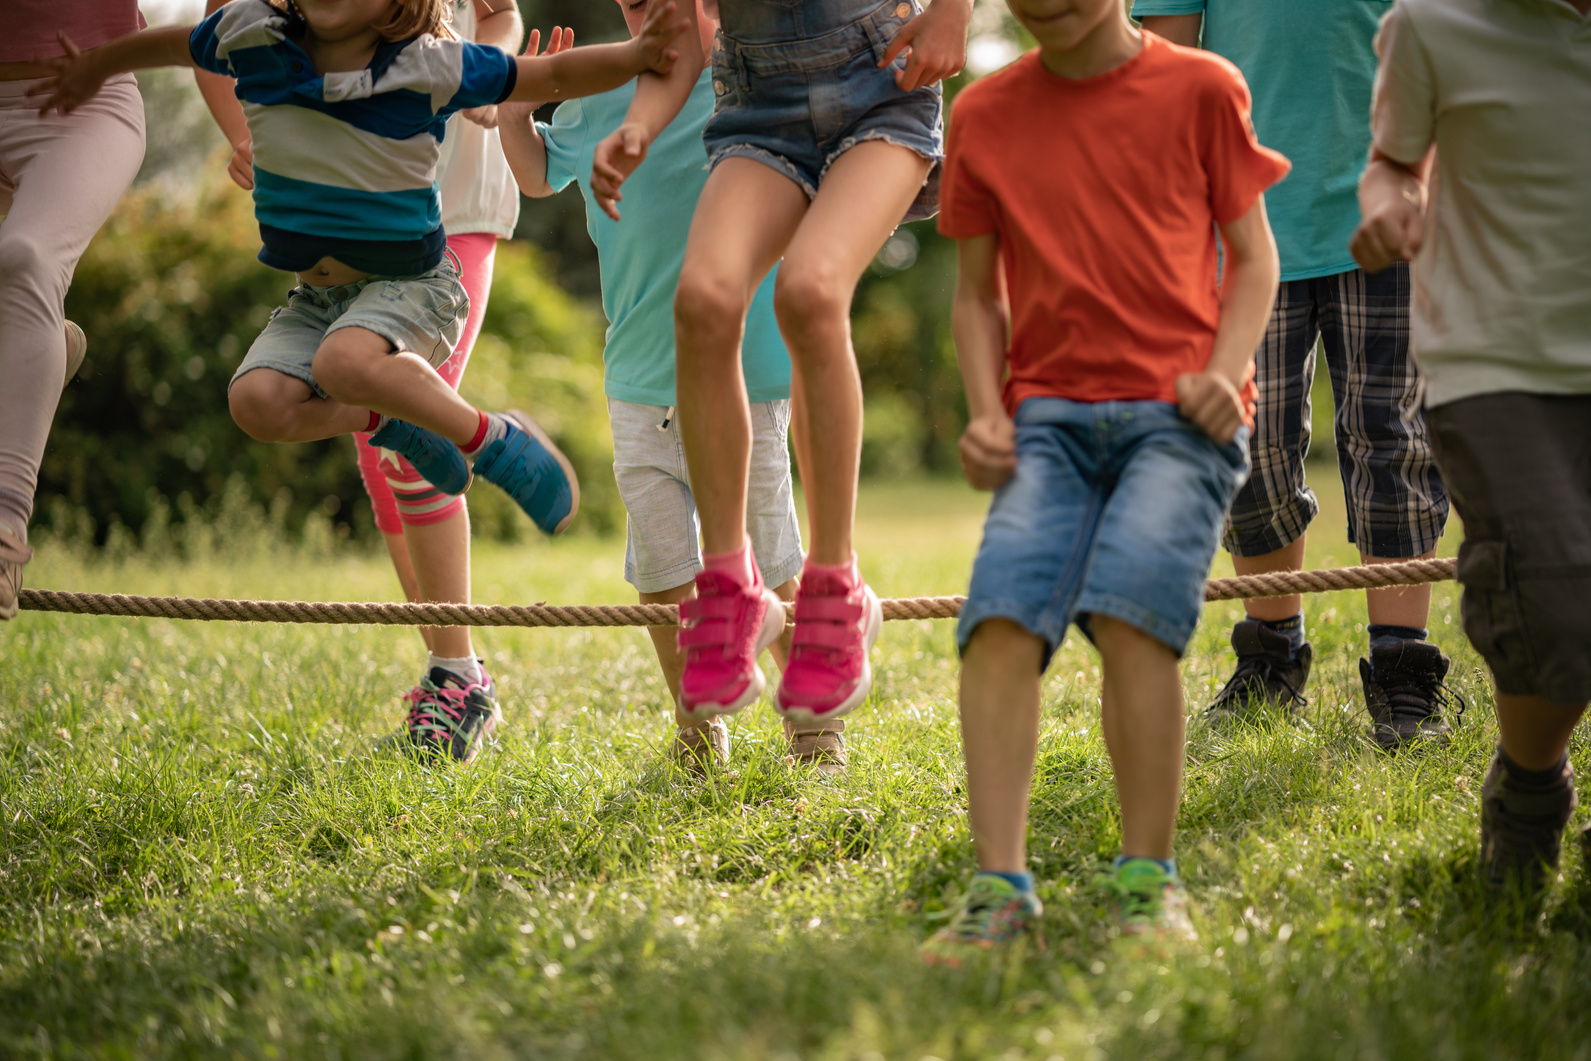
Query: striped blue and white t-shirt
pixel 345 164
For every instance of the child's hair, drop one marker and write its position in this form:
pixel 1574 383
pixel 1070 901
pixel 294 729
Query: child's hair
pixel 409 18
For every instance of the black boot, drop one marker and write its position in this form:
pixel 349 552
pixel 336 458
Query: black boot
pixel 1404 692
pixel 1522 825
pixel 1267 674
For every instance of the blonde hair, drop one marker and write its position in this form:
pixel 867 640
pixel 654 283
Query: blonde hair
pixel 409 18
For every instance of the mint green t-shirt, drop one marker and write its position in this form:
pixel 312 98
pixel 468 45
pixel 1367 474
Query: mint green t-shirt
pixel 1310 65
pixel 640 256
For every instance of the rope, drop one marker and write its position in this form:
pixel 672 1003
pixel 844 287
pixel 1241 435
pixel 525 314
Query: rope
pixel 1279 584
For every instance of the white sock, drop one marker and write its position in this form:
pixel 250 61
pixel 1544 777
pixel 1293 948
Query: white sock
pixel 465 667
pixel 496 428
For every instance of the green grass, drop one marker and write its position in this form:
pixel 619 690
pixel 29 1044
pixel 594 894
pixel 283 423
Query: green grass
pixel 199 856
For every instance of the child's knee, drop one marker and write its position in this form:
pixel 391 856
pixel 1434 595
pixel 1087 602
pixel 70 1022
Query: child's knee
pixel 1117 638
pixel 1003 642
pixel 259 406
pixel 810 296
pixel 706 303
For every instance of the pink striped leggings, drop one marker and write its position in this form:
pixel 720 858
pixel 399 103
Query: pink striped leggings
pixel 398 495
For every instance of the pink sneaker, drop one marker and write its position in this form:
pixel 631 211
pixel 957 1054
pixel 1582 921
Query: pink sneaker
pixel 835 627
pixel 722 632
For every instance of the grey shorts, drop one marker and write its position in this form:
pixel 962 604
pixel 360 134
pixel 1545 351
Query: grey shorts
pixel 1518 467
pixel 422 314
pixel 664 550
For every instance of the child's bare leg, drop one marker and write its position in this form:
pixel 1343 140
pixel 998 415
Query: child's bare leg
pixel 744 218
pixel 359 368
pixel 1000 737
pixel 862 199
pixel 665 641
pixel 1141 704
pixel 1535 731
pixel 439 554
pixel 272 406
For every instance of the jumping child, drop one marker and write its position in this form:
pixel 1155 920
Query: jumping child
pixel 1109 382
pixel 823 139
pixel 427 532
pixel 1502 330
pixel 346 106
pixel 640 262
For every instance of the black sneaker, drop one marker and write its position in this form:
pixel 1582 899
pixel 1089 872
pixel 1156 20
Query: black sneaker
pixel 1267 674
pixel 1404 692
pixel 1522 829
pixel 448 717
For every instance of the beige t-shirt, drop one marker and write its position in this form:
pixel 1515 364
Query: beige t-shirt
pixel 1502 292
pixel 478 191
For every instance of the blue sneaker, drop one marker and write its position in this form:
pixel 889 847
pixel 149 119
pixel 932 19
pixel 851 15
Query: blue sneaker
pixel 437 460
pixel 533 472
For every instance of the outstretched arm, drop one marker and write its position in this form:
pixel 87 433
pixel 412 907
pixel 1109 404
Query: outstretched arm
pixel 600 67
pixel 1212 399
pixel 79 74
pixel 979 320
pixel 658 98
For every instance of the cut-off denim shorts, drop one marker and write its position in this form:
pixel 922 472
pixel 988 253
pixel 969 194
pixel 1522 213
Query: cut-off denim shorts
pixel 1115 509
pixel 798 84
pixel 423 314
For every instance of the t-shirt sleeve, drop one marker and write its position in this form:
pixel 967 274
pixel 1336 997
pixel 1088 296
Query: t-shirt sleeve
pixel 1237 166
pixel 487 75
pixel 1145 8
pixel 564 139
pixel 1403 114
pixel 967 208
pixel 205 41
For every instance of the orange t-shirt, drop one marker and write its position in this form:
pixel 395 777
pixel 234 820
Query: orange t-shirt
pixel 1105 193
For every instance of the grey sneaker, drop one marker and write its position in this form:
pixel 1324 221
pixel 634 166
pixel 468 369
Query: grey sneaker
pixel 1404 692
pixel 819 746
pixel 1522 829
pixel 701 748
pixel 76 350
pixel 1267 675
pixel 13 554
pixel 449 718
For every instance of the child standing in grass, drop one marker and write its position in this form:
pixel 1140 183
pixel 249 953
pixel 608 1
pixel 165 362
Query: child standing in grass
pixel 640 261
pixel 1502 328
pixel 824 137
pixel 1109 381
pixel 346 105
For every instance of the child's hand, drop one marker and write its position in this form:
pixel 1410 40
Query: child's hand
pixel 616 157
pixel 935 42
pixel 659 31
pixel 1212 403
pixel 77 79
pixel 485 117
pixel 1393 230
pixel 560 40
pixel 988 451
pixel 241 167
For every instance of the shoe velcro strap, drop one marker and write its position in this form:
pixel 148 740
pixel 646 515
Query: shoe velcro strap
pixel 833 609
pixel 691 636
pixel 709 608
pixel 823 635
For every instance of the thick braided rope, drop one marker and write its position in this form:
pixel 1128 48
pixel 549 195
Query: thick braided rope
pixel 1410 573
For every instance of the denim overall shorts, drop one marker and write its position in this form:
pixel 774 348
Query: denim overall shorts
pixel 797 84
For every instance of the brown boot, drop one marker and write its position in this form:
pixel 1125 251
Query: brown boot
pixel 701 748
pixel 819 746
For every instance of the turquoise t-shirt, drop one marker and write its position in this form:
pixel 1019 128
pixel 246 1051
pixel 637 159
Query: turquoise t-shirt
pixel 640 256
pixel 1310 65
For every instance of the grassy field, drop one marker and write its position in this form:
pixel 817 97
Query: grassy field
pixel 200 856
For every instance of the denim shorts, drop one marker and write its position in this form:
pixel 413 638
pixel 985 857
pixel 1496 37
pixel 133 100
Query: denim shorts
pixel 663 550
pixel 422 314
pixel 1116 509
pixel 798 84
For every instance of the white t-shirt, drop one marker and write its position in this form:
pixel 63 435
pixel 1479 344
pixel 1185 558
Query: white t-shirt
pixel 1502 295
pixel 478 191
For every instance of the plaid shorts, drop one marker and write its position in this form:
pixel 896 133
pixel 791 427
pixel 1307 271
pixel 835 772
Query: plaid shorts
pixel 1397 505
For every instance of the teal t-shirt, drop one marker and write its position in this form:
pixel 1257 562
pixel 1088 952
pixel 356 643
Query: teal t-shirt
pixel 640 256
pixel 1310 66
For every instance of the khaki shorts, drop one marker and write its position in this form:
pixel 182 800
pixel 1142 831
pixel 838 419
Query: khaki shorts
pixel 1518 468
pixel 422 314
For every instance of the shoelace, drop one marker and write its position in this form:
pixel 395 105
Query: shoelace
pixel 1257 671
pixel 435 707
pixel 1415 696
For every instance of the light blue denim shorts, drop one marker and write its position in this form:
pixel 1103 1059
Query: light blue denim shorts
pixel 1116 509
pixel 663 548
pixel 423 314
pixel 797 84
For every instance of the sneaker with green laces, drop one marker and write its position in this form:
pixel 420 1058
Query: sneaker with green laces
pixel 992 914
pixel 1150 901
